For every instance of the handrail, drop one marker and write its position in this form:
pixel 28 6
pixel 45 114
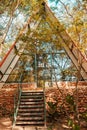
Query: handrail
pixel 44 105
pixel 17 99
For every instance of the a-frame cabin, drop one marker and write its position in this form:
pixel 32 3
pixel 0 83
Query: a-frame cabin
pixel 8 63
pixel 11 58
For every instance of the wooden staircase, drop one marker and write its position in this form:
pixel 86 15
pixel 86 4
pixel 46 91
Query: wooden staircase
pixel 31 109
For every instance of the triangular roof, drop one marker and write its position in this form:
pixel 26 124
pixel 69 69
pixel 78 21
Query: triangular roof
pixel 71 49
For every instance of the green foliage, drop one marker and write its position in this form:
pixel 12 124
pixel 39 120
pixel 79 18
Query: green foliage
pixel 84 116
pixel 52 111
pixel 52 105
pixel 70 99
pixel 70 123
pixel 5 49
pixel 73 125
pixel 71 102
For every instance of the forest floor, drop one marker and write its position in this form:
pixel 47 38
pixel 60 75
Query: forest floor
pixel 57 122
pixel 5 123
pixel 60 124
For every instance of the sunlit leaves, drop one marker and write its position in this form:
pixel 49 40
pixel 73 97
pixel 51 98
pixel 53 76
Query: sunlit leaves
pixel 73 125
pixel 78 31
pixel 73 15
pixel 70 122
pixel 5 49
pixel 76 127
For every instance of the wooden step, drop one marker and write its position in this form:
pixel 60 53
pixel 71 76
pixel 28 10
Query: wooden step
pixel 31 103
pixel 31 100
pixel 34 123
pixel 31 106
pixel 35 114
pixel 31 110
pixel 32 93
pixel 31 96
pixel 30 118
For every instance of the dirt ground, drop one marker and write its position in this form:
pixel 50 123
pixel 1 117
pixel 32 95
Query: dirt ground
pixel 60 124
pixel 5 124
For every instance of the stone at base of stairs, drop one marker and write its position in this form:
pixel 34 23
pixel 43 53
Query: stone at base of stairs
pixel 29 128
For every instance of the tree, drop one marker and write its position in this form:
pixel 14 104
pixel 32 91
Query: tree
pixel 73 15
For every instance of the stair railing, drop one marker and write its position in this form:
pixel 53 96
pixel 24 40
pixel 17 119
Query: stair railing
pixel 44 106
pixel 17 97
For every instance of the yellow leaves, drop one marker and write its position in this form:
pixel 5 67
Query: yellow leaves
pixel 78 29
pixel 4 49
pixel 43 33
pixel 35 4
pixel 24 2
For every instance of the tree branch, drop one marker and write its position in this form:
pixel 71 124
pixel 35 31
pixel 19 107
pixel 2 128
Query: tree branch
pixel 66 9
pixel 10 21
